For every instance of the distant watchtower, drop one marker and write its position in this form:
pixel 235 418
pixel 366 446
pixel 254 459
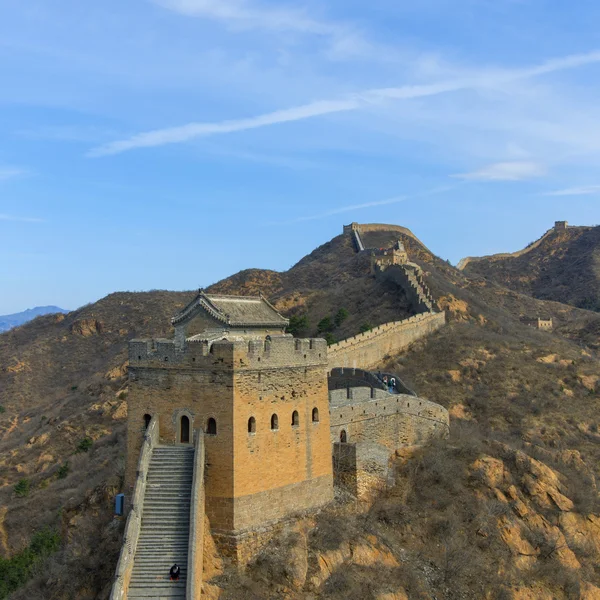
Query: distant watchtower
pixel 386 257
pixel 261 398
pixel 561 225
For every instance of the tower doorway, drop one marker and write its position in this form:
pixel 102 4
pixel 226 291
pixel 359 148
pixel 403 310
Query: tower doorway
pixel 185 430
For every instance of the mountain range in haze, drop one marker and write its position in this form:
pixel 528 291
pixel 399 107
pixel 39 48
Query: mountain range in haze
pixel 9 321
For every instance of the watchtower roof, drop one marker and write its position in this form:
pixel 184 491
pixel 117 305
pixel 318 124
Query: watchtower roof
pixel 234 311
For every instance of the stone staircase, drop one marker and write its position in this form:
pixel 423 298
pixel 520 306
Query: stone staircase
pixel 416 281
pixel 165 525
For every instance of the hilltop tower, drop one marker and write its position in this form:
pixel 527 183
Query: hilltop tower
pixel 260 397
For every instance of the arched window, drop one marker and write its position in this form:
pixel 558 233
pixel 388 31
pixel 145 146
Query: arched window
pixel 315 415
pixel 251 425
pixel 295 419
pixel 211 427
pixel 343 437
pixel 184 433
pixel 274 422
pixel 147 419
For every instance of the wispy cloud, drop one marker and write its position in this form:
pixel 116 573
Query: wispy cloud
pixel 484 79
pixel 505 171
pixel 20 219
pixel 373 204
pixel 242 13
pixel 576 191
pixel 11 172
pixel 184 133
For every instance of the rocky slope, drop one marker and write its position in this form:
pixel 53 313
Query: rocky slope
pixel 63 393
pixel 564 267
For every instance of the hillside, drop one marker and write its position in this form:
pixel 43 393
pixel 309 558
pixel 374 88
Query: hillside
pixel 331 277
pixel 564 267
pixel 9 321
pixel 63 391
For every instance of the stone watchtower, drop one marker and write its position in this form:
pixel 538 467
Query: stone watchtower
pixel 387 257
pixel 259 395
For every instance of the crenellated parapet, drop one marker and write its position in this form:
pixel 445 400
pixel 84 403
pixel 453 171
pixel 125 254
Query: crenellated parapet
pixel 278 351
pixel 368 349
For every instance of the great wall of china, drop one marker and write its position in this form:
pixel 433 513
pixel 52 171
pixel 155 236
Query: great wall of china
pixel 558 227
pixel 244 425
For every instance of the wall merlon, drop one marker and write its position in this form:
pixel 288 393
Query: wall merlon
pixel 368 349
pixel 279 351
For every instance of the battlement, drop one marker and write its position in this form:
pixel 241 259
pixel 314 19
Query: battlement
pixel 352 227
pixel 362 403
pixel 279 351
pixel 385 328
pixel 368 349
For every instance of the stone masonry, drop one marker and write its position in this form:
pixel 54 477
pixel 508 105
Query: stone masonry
pixel 257 402
pixel 255 397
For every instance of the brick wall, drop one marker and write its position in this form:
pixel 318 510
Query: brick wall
pixel 392 420
pixel 367 350
pixel 251 478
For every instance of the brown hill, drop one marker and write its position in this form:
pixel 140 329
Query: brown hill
pixel 564 266
pixel 62 383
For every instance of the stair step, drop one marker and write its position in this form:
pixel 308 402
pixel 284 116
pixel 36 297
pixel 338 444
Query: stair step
pixel 164 535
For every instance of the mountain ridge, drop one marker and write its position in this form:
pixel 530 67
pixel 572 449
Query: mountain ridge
pixel 14 320
pixel 563 265
pixel 63 380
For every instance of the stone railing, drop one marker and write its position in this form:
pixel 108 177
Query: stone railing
pixel 196 538
pixel 134 520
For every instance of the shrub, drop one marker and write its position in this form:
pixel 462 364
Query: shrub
pixel 84 445
pixel 325 325
pixel 20 567
pixel 297 325
pixel 2 409
pixel 63 471
pixel 365 327
pixel 341 316
pixel 22 488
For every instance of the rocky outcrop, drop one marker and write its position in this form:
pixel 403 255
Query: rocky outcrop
pixel 87 327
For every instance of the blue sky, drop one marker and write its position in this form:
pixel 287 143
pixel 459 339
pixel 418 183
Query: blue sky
pixel 170 143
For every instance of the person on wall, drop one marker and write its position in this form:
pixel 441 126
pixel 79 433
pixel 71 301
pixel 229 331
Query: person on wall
pixel 174 572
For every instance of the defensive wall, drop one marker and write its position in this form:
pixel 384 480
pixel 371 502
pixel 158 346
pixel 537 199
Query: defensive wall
pixel 340 378
pixel 366 350
pixel 134 519
pixel 391 420
pixel 558 226
pixel 409 278
pixel 368 424
pixel 195 566
pixel 365 227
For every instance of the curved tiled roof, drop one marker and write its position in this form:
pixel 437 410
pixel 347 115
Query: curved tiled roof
pixel 234 311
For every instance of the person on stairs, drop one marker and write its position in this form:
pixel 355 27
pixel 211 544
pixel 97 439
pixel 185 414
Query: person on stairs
pixel 392 384
pixel 174 572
